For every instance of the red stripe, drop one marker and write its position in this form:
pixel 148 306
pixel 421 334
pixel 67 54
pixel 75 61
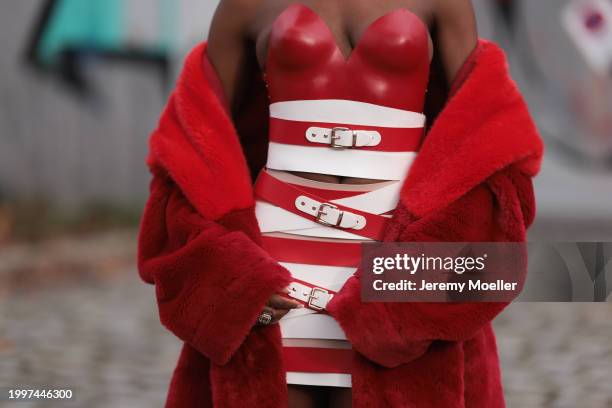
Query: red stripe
pixel 282 194
pixel 318 360
pixel 313 252
pixel 392 139
pixel 329 194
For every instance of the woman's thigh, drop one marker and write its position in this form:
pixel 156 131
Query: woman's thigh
pixel 307 396
pixel 340 397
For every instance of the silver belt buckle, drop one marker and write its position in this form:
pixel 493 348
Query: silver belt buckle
pixel 322 212
pixel 334 137
pixel 314 296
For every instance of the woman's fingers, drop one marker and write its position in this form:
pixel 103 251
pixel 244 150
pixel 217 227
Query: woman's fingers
pixel 279 314
pixel 278 306
pixel 281 302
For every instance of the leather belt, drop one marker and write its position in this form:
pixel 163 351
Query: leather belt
pixel 309 252
pixel 370 164
pixel 311 296
pixel 342 136
pixel 346 111
pixel 300 202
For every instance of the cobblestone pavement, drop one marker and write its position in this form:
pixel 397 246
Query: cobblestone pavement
pixel 556 354
pixel 105 342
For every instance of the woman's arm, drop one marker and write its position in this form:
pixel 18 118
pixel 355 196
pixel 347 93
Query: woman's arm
pixel 229 46
pixel 457 34
pixel 392 334
pixel 211 278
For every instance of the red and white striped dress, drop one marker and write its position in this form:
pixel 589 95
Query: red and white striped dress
pixel 357 117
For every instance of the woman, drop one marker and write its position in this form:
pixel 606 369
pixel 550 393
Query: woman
pixel 261 281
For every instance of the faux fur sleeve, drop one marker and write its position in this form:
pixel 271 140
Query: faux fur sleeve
pixel 392 334
pixel 211 279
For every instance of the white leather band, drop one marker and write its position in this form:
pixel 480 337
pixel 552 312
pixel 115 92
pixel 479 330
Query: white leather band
pixel 366 164
pixel 305 323
pixel 275 219
pixel 325 276
pixel 343 137
pixel 328 214
pixel 379 201
pixel 346 112
pixel 319 379
pixel 316 297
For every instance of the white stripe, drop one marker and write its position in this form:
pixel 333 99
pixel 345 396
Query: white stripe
pixel 305 323
pixel 377 201
pixel 319 379
pixel 346 112
pixel 366 164
pixel 329 277
pixel 275 219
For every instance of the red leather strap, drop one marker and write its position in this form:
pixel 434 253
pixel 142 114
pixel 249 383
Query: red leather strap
pixel 331 194
pixel 392 139
pixel 311 252
pixel 282 194
pixel 318 360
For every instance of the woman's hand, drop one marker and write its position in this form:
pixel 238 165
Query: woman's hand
pixel 278 306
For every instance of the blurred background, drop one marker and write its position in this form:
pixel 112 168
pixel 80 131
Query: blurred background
pixel 82 84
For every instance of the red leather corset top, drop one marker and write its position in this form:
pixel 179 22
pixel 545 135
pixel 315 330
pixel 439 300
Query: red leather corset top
pixel 389 65
pixel 371 100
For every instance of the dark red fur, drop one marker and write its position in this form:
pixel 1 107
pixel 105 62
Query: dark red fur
pixel 199 245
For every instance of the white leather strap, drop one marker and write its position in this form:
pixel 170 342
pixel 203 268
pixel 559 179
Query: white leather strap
pixel 366 164
pixel 340 137
pixel 325 276
pixel 315 297
pixel 347 112
pixel 328 214
pixel 379 201
pixel 275 219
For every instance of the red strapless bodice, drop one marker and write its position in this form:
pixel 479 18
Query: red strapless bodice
pixel 389 66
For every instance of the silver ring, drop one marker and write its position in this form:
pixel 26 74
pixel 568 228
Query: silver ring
pixel 264 318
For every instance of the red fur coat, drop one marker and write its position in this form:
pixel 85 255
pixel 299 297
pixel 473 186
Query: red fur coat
pixel 199 245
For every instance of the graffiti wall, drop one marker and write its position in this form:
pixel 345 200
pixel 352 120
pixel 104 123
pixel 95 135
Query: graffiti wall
pixel 82 86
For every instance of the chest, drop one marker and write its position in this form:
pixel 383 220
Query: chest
pixel 390 28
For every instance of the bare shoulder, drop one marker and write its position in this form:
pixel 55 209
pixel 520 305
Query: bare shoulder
pixel 234 11
pixel 457 32
pixel 457 18
pixel 228 46
pixel 231 20
pixel 457 8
